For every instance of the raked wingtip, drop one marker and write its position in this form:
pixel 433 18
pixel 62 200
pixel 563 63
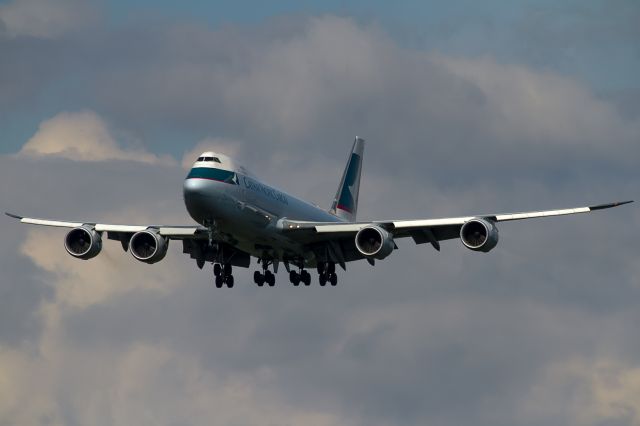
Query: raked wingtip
pixel 610 205
pixel 15 216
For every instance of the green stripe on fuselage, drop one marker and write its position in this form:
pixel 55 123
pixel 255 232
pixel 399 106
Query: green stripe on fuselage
pixel 213 174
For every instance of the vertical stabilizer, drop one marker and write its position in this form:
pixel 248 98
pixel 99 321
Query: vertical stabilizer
pixel 345 204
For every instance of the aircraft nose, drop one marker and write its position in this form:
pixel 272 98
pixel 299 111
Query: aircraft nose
pixel 196 199
pixel 194 186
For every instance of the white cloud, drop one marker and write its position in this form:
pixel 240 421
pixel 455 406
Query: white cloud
pixel 45 18
pixel 588 392
pixel 139 384
pixel 82 136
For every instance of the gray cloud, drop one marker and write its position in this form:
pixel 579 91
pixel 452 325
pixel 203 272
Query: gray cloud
pixel 44 19
pixel 424 338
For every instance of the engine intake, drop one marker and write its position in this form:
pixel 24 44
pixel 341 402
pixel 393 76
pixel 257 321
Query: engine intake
pixel 373 241
pixel 83 242
pixel 479 235
pixel 148 246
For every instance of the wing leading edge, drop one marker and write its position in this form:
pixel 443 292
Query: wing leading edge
pixel 173 232
pixel 425 230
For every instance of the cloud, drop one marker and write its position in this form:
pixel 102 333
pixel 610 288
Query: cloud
pixel 81 136
pixel 595 392
pixel 443 338
pixel 34 387
pixel 45 18
pixel 311 89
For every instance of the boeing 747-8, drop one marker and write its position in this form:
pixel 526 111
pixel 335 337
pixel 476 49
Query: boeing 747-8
pixel 241 217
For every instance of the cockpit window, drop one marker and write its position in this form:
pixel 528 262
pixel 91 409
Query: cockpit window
pixel 214 159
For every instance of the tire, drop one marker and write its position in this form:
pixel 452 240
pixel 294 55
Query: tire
pixel 323 279
pixel 333 279
pixel 229 281
pixel 270 278
pixel 228 270
pixel 306 278
pixel 219 281
pixel 217 269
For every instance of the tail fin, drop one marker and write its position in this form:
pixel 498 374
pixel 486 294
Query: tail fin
pixel 345 204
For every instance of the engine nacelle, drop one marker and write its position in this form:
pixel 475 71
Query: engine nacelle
pixel 479 235
pixel 83 242
pixel 148 246
pixel 373 241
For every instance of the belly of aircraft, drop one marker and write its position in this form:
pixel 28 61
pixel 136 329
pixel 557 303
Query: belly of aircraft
pixel 245 226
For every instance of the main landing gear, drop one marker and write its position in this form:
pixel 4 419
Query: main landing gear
pixel 297 277
pixel 266 276
pixel 223 274
pixel 327 273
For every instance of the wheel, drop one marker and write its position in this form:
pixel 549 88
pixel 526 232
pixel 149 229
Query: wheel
pixel 219 281
pixel 323 279
pixel 321 267
pixel 294 277
pixel 270 278
pixel 258 278
pixel 229 281
pixel 305 277
pixel 333 279
pixel 228 270
pixel 217 269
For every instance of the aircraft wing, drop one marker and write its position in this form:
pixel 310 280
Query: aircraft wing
pixel 170 231
pixel 421 230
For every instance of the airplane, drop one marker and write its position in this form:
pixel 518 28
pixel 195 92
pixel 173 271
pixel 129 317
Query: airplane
pixel 241 217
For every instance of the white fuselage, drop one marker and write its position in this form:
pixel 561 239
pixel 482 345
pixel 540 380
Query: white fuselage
pixel 245 212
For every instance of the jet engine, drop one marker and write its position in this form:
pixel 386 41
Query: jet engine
pixel 148 246
pixel 83 242
pixel 479 235
pixel 373 241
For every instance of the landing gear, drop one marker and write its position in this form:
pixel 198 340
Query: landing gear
pixel 258 278
pixel 223 274
pixel 266 276
pixel 294 277
pixel 327 273
pixel 270 278
pixel 297 277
